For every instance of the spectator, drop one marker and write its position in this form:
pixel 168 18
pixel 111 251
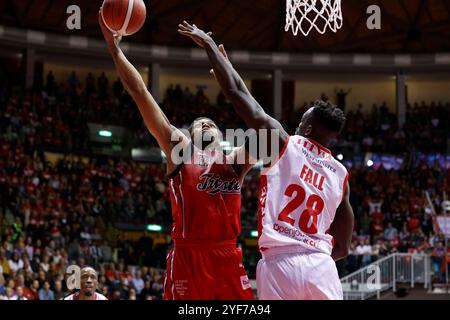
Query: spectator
pixel 9 294
pixel 15 263
pixel 390 233
pixel 110 273
pixel 117 88
pixel 90 84
pixel 147 290
pixel 2 279
pixel 403 247
pixel 2 288
pixel 427 225
pixel 102 84
pixel 19 294
pixel 73 81
pixel 28 293
pixel 138 282
pixel 413 224
pixel 132 294
pixel 58 290
pixel 377 228
pixel 4 263
pixel 145 249
pixel 366 251
pixel 437 257
pixel 29 248
pixel 375 252
pixel 50 84
pixel 106 252
pixel 45 265
pixel 116 295
pixel 104 290
pixel 46 293
pixel 34 291
pixel 341 95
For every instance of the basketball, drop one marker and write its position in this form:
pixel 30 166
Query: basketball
pixel 124 17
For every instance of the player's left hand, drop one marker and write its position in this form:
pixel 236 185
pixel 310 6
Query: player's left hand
pixel 110 38
pixel 198 35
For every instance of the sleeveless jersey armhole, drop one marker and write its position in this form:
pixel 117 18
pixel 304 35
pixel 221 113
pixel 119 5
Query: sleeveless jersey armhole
pixel 265 170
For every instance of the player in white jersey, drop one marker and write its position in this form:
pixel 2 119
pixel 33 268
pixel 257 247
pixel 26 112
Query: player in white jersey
pixel 305 216
pixel 88 285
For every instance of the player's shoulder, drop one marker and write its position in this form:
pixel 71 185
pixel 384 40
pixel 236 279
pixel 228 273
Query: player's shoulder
pixel 99 296
pixel 69 297
pixel 341 170
pixel 340 165
pixel 323 152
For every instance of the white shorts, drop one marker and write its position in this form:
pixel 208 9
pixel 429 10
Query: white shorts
pixel 286 274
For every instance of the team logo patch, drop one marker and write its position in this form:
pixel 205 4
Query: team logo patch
pixel 263 196
pixel 213 184
pixel 245 283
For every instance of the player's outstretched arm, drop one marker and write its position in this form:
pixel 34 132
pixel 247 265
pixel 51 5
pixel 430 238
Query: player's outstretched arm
pixel 342 227
pixel 154 118
pixel 231 83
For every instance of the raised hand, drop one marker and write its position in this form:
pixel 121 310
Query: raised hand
pixel 198 35
pixel 224 53
pixel 111 38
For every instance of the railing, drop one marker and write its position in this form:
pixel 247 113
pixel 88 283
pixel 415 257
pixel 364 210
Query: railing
pixel 385 273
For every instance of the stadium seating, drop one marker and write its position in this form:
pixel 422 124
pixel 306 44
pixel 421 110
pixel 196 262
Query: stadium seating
pixel 55 211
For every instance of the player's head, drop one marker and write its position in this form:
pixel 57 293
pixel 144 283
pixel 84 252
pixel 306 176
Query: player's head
pixel 89 281
pixel 322 122
pixel 19 291
pixel 204 131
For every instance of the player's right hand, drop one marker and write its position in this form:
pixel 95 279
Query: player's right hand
pixel 111 39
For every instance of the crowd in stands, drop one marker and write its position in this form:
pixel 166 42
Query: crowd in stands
pixel 64 109
pixel 393 214
pixel 57 212
pixel 34 267
pixel 425 129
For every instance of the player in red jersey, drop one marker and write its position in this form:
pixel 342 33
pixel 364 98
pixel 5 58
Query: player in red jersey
pixel 205 191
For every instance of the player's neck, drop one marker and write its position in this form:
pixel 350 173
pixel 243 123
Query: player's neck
pixel 207 145
pixel 82 296
pixel 319 140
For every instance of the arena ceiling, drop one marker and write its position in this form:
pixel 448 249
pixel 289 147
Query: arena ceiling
pixel 408 26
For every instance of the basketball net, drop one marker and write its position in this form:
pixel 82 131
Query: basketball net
pixel 304 15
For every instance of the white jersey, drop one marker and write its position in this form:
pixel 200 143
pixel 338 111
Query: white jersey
pixel 97 296
pixel 299 196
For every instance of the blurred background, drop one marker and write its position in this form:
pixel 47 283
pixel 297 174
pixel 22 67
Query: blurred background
pixel 82 181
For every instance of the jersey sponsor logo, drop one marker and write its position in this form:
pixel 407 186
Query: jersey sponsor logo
pixel 213 184
pixel 318 161
pixel 321 152
pixel 245 283
pixel 295 234
pixel 181 286
pixel 263 197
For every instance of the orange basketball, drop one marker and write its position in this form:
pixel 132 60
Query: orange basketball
pixel 124 17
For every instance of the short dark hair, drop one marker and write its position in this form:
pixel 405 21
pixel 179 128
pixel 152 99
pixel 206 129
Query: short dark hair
pixel 328 115
pixel 191 126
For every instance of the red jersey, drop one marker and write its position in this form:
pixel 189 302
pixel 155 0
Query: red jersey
pixel 206 198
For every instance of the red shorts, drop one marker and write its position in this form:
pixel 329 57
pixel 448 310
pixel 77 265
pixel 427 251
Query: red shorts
pixel 206 270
